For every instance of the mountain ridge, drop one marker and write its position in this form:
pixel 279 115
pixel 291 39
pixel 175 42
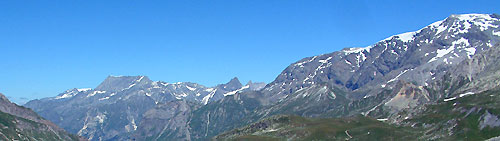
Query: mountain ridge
pixel 115 107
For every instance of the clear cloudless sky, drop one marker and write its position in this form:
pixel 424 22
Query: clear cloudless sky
pixel 47 47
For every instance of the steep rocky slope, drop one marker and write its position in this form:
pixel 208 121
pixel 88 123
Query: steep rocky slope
pixel 20 123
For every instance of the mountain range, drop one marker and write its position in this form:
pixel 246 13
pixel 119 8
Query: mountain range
pixel 116 107
pixel 438 83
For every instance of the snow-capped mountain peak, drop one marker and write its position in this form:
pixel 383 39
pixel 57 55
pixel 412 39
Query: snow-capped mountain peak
pixel 439 45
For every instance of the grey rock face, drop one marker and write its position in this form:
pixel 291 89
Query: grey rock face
pixel 230 112
pixel 315 101
pixel 173 115
pixel 120 83
pixel 475 75
pixel 489 120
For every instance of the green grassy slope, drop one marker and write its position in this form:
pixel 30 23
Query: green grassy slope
pixel 299 128
pixel 461 119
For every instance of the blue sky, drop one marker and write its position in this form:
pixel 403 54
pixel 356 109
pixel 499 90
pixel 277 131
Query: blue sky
pixel 50 46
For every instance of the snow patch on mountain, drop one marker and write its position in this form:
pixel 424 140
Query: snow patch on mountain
pixel 441 53
pixel 209 89
pixel 106 98
pixel 190 88
pixel 207 97
pixel 461 41
pixel 84 89
pixel 325 61
pixel 496 33
pixel 405 37
pixel 470 51
pixel 438 26
pixel 466 94
pixel 408 36
pixel 96 92
pixel 139 80
pixel 132 85
pixel 300 64
pixel 356 50
pixel 66 95
pixel 397 77
pixel 230 93
pixel 164 83
pixel 484 21
pixel 238 90
pixel 449 99
pixel 347 62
